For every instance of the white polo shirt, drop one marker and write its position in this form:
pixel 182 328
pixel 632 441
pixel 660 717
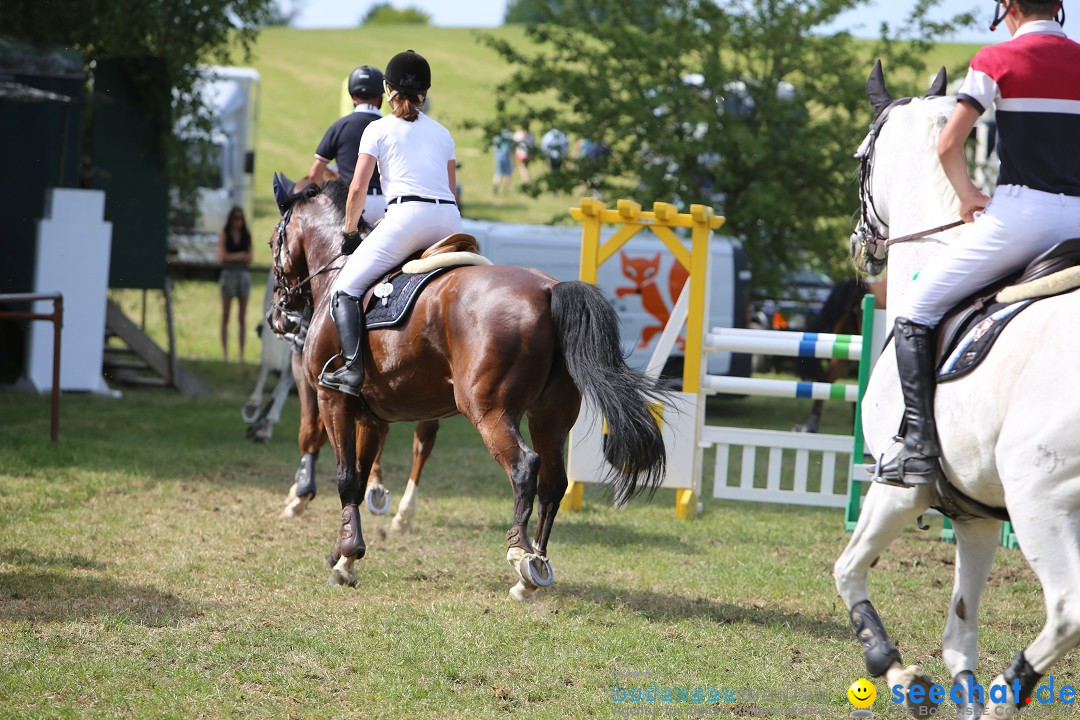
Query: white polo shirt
pixel 412 156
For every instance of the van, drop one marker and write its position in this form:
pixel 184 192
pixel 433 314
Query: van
pixel 642 282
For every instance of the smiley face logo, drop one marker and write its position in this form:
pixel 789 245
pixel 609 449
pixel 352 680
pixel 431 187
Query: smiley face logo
pixel 862 694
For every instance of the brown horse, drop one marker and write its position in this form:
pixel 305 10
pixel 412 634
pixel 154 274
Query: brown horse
pixel 494 343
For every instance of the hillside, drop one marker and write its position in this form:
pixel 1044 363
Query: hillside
pixel 302 72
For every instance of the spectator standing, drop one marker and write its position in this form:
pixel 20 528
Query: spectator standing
pixel 524 142
pixel 503 146
pixel 555 146
pixel 234 253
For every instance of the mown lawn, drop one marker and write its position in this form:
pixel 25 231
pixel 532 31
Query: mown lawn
pixel 144 572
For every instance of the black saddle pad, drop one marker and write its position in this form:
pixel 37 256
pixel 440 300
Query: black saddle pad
pixel 392 299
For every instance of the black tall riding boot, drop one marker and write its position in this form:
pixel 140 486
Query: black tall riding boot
pixel 917 463
pixel 350 323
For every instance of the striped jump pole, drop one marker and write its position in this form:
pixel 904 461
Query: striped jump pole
pixel 717 384
pixel 789 344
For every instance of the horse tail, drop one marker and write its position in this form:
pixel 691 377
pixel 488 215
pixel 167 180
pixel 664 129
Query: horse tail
pixel 588 335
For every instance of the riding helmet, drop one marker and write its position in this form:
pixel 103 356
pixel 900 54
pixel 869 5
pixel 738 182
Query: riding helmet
pixel 408 72
pixel 365 82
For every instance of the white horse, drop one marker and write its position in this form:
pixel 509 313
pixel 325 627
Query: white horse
pixel 1008 430
pixel 275 360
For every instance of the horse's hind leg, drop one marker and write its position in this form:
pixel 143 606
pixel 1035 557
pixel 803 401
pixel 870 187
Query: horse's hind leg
pixel 423 444
pixel 885 512
pixel 1048 529
pixel 377 497
pixel 976 544
pixel 503 440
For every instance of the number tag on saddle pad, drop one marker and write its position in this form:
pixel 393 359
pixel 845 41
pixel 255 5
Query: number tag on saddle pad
pixel 383 291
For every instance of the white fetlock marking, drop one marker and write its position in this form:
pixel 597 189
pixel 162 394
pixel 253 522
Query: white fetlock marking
pixel 513 556
pixel 294 506
pixel 998 710
pixel 523 593
pixel 407 507
pixel 400 524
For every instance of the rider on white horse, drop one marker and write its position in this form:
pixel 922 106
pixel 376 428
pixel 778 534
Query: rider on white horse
pixel 1034 82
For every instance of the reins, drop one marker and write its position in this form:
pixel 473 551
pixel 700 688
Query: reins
pixel 279 271
pixel 924 233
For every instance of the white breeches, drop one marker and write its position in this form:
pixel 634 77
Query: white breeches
pixel 407 228
pixel 374 208
pixel 1018 225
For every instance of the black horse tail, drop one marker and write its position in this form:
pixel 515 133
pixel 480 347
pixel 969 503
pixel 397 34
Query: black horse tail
pixel 588 333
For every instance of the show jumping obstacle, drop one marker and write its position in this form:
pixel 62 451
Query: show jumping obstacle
pixel 683 425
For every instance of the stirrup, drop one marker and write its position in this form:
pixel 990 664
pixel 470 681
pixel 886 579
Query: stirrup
pixel 901 479
pixel 334 380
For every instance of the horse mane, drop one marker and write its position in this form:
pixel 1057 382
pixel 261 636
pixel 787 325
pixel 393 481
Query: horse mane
pixel 934 112
pixel 335 191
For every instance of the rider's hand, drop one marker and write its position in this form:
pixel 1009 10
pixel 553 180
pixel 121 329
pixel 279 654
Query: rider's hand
pixel 973 202
pixel 349 241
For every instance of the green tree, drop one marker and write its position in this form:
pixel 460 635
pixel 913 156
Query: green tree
pixel 161 43
pixel 526 12
pixel 744 105
pixel 284 12
pixel 386 14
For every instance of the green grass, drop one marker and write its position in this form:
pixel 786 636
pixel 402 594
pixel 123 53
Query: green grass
pixel 144 572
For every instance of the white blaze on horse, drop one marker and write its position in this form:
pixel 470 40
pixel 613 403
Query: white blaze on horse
pixel 1008 429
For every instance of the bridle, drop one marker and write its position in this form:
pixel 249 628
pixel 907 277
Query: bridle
pixel 869 233
pixel 301 289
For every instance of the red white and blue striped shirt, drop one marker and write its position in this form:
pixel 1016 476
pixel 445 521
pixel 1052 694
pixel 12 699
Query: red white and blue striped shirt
pixel 1034 82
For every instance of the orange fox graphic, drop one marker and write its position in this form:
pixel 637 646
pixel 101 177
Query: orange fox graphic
pixel 642 271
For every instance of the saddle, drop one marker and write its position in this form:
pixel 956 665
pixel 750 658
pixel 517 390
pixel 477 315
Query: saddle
pixel 969 330
pixel 388 301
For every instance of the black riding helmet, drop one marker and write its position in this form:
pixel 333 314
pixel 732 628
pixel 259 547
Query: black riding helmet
pixel 365 82
pixel 409 73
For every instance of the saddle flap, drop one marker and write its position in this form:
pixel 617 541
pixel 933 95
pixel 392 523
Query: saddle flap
pixel 458 242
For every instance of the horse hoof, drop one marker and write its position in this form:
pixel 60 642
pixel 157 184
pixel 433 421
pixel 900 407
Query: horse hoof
pixel 249 412
pixel 535 571
pixel 401 525
pixel 915 676
pixel 378 500
pixel 523 594
pixel 294 506
pixel 343 573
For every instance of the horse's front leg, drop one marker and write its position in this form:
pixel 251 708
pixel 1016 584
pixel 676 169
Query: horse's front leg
pixel 250 412
pixel 423 444
pixel 976 544
pixel 885 512
pixel 311 437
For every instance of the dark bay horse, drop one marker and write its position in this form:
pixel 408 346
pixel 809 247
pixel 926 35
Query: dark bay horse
pixel 497 344
pixel 841 314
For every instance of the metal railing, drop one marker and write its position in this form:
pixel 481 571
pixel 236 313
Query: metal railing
pixel 56 317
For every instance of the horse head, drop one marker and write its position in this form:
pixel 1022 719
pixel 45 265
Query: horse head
pixel 302 248
pixel 909 153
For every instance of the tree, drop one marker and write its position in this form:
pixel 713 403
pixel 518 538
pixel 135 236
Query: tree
pixel 741 104
pixel 284 12
pixel 386 14
pixel 526 12
pixel 161 43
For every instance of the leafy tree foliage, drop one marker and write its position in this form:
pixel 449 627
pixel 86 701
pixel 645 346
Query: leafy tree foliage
pixel 744 105
pixel 284 12
pixel 161 42
pixel 386 14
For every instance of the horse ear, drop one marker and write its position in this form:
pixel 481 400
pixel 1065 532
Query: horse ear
pixel 875 90
pixel 937 88
pixel 283 188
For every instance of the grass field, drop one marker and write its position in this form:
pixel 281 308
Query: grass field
pixel 144 572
